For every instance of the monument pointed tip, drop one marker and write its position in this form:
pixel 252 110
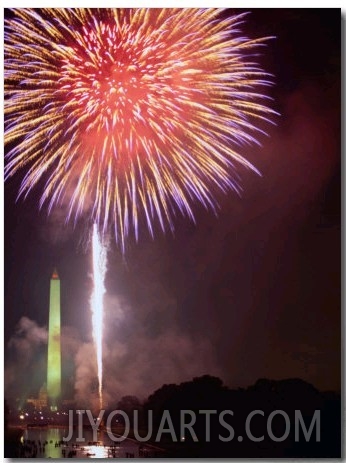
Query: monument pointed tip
pixel 55 275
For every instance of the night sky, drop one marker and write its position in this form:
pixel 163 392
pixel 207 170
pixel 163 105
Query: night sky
pixel 254 292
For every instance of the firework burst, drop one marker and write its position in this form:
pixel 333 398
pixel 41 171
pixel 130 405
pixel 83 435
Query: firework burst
pixel 129 113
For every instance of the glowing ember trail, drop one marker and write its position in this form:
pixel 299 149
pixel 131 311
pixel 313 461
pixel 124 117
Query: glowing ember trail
pixel 99 270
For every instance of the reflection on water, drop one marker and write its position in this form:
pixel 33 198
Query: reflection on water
pixel 48 443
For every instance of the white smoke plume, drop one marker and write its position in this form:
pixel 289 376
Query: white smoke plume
pixel 25 349
pixel 27 338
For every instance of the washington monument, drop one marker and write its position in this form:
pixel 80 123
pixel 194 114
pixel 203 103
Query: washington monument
pixel 54 345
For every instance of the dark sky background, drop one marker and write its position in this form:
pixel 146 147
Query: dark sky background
pixel 254 292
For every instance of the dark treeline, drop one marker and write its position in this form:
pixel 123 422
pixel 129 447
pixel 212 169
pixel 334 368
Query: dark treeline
pixel 296 401
pixel 271 419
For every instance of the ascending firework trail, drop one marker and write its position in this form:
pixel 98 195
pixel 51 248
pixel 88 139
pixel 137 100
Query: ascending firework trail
pixel 96 302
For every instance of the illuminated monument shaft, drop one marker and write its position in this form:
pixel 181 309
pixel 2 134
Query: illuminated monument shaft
pixel 54 346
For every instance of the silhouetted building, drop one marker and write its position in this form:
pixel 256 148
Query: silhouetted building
pixel 41 402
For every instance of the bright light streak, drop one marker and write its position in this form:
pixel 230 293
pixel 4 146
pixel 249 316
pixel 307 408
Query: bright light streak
pixel 99 270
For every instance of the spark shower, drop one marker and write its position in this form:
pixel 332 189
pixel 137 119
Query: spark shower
pixel 125 114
